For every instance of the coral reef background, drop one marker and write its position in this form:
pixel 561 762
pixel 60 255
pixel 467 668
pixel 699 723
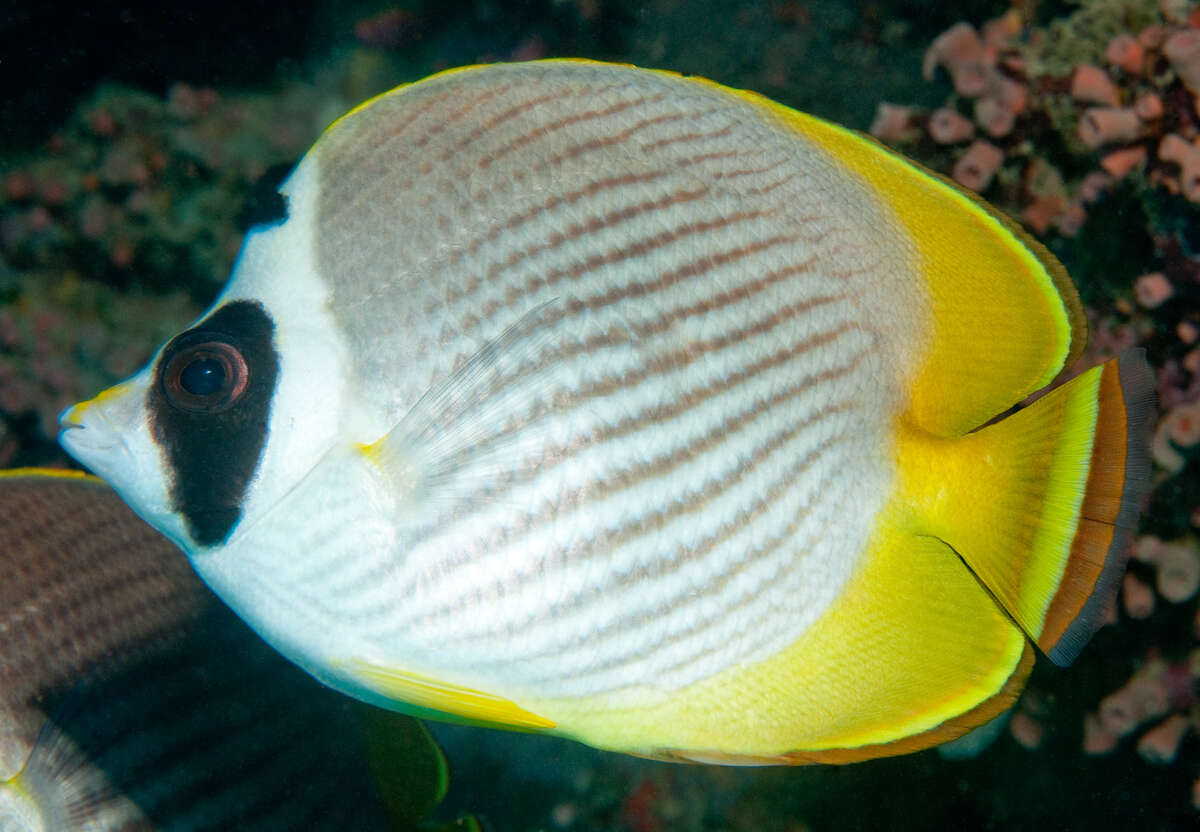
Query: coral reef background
pixel 139 141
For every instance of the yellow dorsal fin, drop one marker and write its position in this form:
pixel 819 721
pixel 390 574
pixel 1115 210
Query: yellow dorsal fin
pixel 436 695
pixel 1006 317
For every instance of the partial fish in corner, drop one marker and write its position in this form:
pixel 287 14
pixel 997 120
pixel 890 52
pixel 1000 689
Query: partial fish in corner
pixel 190 722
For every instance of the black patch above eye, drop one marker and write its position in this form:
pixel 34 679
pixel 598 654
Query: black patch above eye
pixel 264 203
pixel 209 411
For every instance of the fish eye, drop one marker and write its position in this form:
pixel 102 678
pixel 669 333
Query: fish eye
pixel 205 377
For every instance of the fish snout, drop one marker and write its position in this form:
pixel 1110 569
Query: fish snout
pixel 84 430
pixel 93 432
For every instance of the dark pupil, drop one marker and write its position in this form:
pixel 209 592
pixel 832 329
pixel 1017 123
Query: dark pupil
pixel 203 377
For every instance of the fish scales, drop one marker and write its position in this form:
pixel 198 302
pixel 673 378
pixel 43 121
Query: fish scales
pixel 725 270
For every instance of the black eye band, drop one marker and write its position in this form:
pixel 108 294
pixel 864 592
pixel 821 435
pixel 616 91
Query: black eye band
pixel 205 374
pixel 209 413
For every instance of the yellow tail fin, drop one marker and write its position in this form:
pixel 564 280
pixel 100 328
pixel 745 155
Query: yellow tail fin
pixel 1042 505
pixel 1117 484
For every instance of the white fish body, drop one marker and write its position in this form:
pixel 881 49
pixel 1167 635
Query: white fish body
pixel 626 473
pixel 582 387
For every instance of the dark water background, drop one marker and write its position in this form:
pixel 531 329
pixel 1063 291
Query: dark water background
pixel 835 59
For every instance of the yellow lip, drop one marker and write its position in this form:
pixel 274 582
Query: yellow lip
pixel 75 416
pixel 85 430
pixel 71 417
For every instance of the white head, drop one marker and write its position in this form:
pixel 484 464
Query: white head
pixel 230 414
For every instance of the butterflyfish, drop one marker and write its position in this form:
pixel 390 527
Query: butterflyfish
pixel 191 722
pixel 620 405
pixel 87 588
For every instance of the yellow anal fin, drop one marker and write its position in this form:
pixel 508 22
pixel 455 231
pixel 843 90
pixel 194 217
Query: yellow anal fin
pixel 912 653
pixel 436 695
pixel 1042 504
pixel 922 648
pixel 949 730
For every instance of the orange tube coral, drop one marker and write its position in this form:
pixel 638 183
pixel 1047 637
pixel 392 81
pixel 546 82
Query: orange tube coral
pixel 978 165
pixel 1136 597
pixel 948 126
pixel 1174 148
pixel 962 52
pixel 1152 289
pixel 1178 576
pixel 892 123
pixel 1148 106
pixel 1160 744
pixel 1091 85
pixel 1182 49
pixel 1104 125
pixel 994 117
pixel 1144 697
pixel 1125 52
pixel 1120 162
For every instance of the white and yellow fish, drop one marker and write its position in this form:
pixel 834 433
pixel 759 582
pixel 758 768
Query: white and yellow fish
pixel 624 406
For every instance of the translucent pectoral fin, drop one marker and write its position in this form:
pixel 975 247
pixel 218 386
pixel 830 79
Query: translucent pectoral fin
pixel 410 770
pixel 456 435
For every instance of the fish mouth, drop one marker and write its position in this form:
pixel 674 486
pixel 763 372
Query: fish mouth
pixel 86 434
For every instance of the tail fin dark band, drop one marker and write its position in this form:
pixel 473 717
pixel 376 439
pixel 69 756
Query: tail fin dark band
pixel 1118 480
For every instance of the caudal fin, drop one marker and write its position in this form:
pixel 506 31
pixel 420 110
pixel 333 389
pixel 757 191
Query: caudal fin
pixel 1047 518
pixel 1118 479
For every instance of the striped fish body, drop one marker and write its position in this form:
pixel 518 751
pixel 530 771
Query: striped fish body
pixel 606 402
pixel 87 588
pixel 201 736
